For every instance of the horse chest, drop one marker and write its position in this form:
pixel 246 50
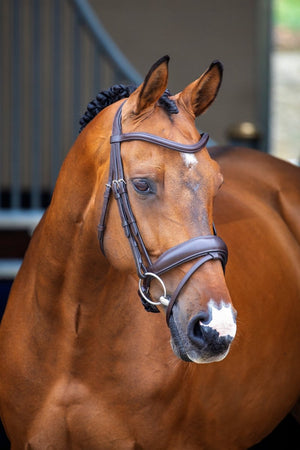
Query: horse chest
pixel 73 416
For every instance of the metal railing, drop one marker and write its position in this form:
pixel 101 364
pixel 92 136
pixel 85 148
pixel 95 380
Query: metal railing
pixel 55 57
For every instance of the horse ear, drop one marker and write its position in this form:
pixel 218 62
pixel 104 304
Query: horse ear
pixel 199 95
pixel 153 87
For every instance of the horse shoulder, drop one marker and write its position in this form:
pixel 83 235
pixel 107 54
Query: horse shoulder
pixel 262 179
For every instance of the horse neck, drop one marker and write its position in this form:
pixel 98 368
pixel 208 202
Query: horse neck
pixel 72 290
pixel 70 268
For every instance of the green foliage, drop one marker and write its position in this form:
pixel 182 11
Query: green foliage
pixel 287 13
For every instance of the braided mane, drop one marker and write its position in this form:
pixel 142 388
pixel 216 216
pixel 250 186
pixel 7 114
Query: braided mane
pixel 115 93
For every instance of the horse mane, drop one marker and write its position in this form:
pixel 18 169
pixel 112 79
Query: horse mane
pixel 115 93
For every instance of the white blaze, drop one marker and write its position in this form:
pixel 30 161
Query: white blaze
pixel 189 159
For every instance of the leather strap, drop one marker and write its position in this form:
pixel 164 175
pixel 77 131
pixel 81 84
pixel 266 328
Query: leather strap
pixel 162 142
pixel 184 280
pixel 192 249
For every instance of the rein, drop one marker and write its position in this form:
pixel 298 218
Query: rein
pixel 202 248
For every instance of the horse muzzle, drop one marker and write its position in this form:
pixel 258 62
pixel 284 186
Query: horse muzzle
pixel 207 336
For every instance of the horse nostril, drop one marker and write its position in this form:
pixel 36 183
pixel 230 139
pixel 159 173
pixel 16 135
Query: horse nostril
pixel 194 331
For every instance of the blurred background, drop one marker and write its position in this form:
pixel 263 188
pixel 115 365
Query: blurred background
pixel 56 55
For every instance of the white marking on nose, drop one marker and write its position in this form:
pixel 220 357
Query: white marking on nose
pixel 189 159
pixel 222 318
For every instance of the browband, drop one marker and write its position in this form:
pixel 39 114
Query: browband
pixel 162 142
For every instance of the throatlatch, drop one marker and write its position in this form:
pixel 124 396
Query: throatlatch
pixel 202 248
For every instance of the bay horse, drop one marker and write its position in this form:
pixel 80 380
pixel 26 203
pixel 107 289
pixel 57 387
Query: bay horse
pixel 83 365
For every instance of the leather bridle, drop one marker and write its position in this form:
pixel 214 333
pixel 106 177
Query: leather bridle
pixel 201 248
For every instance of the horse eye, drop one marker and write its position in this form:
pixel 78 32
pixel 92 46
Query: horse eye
pixel 142 186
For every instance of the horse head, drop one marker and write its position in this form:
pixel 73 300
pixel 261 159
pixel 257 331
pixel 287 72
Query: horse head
pixel 165 200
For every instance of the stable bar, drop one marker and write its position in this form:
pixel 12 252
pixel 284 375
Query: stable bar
pixel 9 268
pixel 57 97
pixel 77 74
pixel 18 219
pixel 36 147
pixel 15 111
pixel 105 42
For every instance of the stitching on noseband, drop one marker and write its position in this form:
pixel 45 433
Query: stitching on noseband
pixel 201 248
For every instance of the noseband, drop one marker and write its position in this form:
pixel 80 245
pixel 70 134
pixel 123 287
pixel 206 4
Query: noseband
pixel 201 248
